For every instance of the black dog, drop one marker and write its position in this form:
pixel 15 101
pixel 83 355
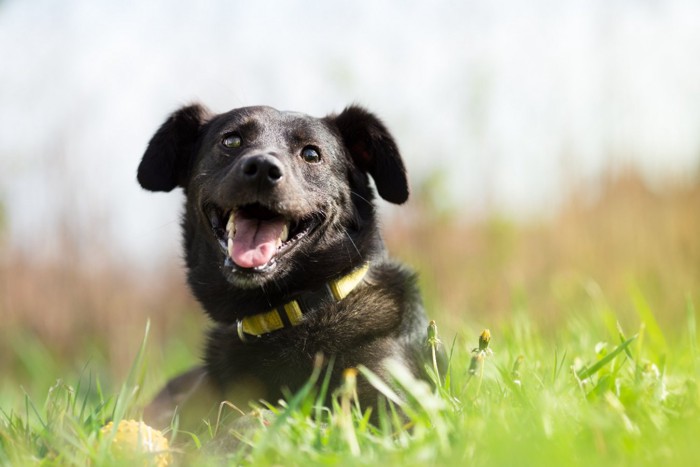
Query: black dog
pixel 283 250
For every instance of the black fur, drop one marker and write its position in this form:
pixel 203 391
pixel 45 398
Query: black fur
pixel 333 200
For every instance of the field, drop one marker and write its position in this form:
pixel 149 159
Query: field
pixel 592 356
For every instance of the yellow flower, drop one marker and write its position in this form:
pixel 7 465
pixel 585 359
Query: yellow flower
pixel 134 440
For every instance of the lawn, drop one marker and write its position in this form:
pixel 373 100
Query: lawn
pixel 572 339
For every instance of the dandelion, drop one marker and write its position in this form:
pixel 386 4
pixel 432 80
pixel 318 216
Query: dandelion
pixel 484 341
pixel 130 440
pixel 515 372
pixel 434 342
pixel 348 393
pixel 653 379
pixel 480 354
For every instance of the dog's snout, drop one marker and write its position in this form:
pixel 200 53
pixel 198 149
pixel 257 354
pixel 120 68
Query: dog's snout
pixel 262 168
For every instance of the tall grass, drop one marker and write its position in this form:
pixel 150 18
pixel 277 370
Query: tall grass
pixel 516 400
pixel 602 244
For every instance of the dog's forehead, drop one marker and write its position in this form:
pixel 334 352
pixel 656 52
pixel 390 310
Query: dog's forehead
pixel 270 126
pixel 265 116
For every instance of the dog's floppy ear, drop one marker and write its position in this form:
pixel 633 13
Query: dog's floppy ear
pixel 168 157
pixel 373 150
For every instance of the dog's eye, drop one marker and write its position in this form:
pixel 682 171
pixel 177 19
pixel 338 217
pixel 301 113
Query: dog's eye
pixel 310 155
pixel 232 141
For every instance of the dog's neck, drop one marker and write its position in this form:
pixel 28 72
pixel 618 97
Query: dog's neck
pixel 292 313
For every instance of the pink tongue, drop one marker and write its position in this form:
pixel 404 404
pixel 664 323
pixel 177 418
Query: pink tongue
pixel 255 241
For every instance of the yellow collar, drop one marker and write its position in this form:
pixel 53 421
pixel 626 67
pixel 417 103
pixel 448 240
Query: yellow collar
pixel 292 313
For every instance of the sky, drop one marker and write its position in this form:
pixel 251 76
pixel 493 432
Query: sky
pixel 513 102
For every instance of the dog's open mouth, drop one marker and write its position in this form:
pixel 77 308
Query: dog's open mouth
pixel 253 236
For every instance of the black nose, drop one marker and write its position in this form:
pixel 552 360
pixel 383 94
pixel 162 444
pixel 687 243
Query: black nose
pixel 262 168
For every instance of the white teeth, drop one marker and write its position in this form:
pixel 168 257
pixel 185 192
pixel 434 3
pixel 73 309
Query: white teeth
pixel 230 246
pixel 230 226
pixel 284 234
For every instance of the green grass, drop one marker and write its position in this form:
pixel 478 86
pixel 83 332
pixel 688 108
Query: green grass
pixel 592 394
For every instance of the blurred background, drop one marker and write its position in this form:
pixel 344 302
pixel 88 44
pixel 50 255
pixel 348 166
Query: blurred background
pixel 553 149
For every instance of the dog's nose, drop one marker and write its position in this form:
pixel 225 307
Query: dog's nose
pixel 262 168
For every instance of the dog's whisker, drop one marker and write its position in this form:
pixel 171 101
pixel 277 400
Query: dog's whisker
pixel 360 197
pixel 352 242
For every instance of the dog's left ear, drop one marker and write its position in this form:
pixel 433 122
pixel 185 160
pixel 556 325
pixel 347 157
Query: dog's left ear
pixel 374 151
pixel 168 158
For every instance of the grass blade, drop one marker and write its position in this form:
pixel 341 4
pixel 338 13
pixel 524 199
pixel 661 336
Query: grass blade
pixel 380 385
pixel 589 371
pixel 646 316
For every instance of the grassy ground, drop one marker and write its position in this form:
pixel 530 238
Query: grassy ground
pixel 592 355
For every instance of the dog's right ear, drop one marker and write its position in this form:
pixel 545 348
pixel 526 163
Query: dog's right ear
pixel 168 158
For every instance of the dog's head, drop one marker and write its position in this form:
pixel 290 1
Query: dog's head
pixel 272 194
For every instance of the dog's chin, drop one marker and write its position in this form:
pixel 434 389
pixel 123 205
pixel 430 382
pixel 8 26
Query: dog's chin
pixel 284 237
pixel 249 278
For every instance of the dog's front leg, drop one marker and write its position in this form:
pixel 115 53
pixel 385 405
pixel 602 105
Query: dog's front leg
pixel 192 395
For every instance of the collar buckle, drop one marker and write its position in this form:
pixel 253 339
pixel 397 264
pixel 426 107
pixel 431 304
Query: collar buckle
pixel 239 330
